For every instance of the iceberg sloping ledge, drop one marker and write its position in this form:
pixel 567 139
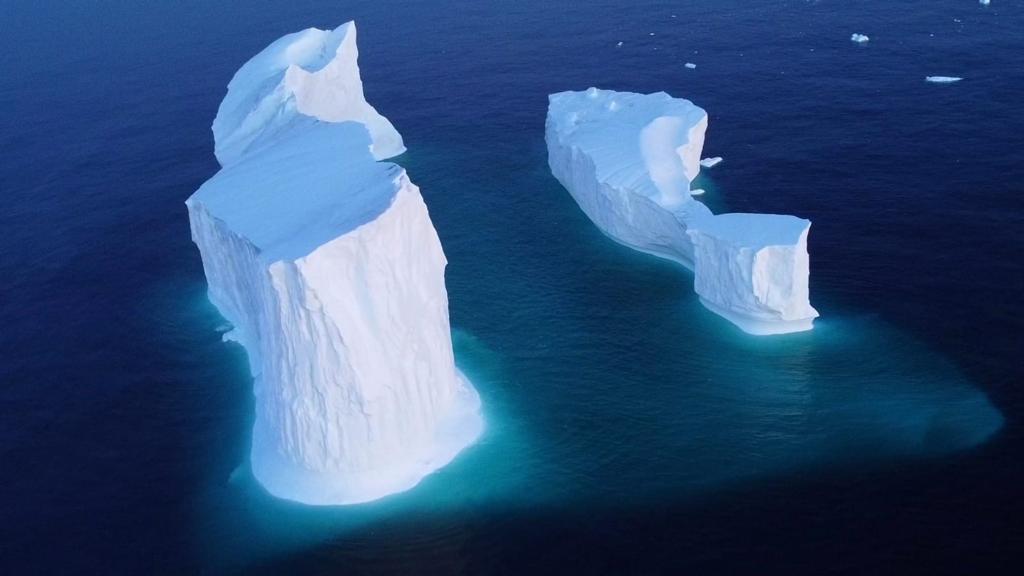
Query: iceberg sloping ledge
pixel 327 264
pixel 629 160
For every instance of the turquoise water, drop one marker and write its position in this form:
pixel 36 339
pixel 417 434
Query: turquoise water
pixel 629 430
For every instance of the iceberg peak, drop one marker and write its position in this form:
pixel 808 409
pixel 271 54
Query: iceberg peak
pixel 327 265
pixel 312 73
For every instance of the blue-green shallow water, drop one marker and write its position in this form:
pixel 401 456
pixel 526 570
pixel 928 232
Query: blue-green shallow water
pixel 629 430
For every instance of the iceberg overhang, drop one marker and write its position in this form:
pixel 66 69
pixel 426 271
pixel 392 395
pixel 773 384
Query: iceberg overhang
pixel 629 160
pixel 326 262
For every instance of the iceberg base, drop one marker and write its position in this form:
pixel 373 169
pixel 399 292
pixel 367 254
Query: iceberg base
pixel 760 326
pixel 283 478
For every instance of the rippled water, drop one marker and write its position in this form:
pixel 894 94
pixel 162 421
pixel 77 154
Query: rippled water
pixel 629 430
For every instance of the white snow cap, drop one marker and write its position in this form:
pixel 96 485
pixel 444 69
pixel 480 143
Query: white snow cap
pixel 629 159
pixel 314 73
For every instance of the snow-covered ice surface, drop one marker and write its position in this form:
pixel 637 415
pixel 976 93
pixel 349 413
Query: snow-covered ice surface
pixel 327 264
pixel 628 159
pixel 942 79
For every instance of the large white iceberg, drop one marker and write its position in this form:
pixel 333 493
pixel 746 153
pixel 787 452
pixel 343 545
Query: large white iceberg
pixel 327 263
pixel 629 159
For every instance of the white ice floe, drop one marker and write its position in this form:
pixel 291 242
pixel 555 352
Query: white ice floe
pixel 327 264
pixel 697 192
pixel 711 162
pixel 859 38
pixel 690 65
pixel 630 169
pixel 943 79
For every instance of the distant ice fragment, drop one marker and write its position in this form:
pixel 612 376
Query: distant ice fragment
pixel 690 65
pixel 697 192
pixel 943 79
pixel 711 162
pixel 619 45
pixel 983 2
pixel 859 38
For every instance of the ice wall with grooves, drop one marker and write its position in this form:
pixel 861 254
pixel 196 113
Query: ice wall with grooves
pixel 328 266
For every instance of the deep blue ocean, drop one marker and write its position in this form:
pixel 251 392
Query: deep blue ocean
pixel 629 429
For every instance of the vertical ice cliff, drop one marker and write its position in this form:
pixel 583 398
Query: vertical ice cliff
pixel 629 159
pixel 327 263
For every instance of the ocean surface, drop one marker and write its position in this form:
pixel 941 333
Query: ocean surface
pixel 629 429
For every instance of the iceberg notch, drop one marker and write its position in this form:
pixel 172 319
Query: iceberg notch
pixel 629 160
pixel 327 264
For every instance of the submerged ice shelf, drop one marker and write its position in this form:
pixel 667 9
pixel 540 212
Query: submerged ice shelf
pixel 327 264
pixel 629 159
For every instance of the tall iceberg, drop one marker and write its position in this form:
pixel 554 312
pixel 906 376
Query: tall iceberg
pixel 629 160
pixel 327 264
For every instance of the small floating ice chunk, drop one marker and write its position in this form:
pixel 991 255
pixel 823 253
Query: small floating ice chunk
pixel 942 79
pixel 859 38
pixel 711 162
pixel 619 45
pixel 651 34
pixel 983 2
pixel 696 192
pixel 690 65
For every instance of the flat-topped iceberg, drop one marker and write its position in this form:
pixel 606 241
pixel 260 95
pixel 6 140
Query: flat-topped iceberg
pixel 327 264
pixel 752 269
pixel 629 159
